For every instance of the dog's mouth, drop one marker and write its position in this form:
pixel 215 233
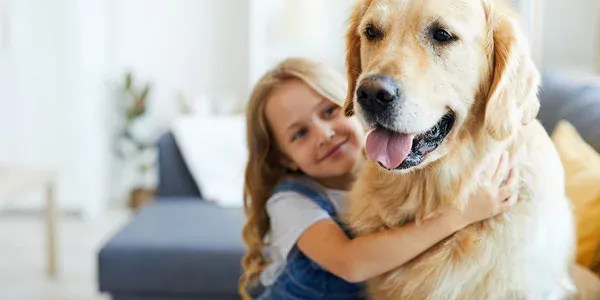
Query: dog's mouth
pixel 397 150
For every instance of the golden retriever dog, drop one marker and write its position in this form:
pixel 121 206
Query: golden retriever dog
pixel 440 86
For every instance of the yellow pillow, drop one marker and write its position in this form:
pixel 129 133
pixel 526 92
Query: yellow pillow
pixel 582 173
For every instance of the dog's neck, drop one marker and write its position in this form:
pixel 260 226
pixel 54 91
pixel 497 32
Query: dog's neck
pixel 419 195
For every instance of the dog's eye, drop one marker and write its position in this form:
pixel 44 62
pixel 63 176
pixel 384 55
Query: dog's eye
pixel 372 33
pixel 442 36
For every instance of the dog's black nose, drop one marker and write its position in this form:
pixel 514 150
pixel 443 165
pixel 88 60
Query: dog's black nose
pixel 375 93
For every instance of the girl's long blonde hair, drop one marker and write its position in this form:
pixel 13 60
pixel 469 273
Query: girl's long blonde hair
pixel 263 170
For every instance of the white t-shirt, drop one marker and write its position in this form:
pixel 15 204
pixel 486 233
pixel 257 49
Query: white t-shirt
pixel 291 213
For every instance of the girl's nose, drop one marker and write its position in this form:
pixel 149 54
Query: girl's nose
pixel 326 132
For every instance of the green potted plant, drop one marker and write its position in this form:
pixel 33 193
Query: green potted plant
pixel 134 147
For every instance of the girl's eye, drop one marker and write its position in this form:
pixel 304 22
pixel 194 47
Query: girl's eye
pixel 330 111
pixel 299 134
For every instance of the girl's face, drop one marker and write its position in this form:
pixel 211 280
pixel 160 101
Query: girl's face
pixel 312 132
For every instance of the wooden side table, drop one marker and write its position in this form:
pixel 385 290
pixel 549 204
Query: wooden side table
pixel 16 179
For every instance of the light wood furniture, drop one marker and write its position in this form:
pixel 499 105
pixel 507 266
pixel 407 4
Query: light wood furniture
pixel 16 179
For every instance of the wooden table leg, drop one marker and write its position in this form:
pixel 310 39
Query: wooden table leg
pixel 51 220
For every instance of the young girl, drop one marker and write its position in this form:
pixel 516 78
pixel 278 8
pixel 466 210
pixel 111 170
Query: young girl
pixel 303 154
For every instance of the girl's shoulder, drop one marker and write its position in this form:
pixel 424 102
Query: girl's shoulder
pixel 301 193
pixel 289 198
pixel 297 187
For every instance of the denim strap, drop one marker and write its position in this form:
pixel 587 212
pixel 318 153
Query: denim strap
pixel 309 192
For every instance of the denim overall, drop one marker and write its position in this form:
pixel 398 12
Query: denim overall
pixel 302 278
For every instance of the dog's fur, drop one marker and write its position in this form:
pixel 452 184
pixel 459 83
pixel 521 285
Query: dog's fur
pixel 489 80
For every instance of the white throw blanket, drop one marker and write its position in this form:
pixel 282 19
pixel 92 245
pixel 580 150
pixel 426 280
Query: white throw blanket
pixel 214 149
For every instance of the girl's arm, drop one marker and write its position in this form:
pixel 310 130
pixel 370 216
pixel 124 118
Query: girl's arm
pixel 367 256
pixel 370 255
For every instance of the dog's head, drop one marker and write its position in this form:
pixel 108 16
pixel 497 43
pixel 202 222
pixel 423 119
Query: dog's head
pixel 420 72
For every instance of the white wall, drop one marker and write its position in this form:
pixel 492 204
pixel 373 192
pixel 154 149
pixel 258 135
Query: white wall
pixel 63 57
pixel 311 28
pixel 52 105
pixel 197 47
pixel 31 102
pixel 31 86
pixel 90 158
pixel 571 35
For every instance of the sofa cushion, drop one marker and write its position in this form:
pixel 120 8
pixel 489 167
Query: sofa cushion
pixel 582 178
pixel 574 98
pixel 215 152
pixel 180 246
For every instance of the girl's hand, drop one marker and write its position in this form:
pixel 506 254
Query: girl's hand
pixel 494 196
pixel 370 255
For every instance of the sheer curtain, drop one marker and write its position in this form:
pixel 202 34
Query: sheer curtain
pixel 531 12
pixel 310 28
pixel 598 41
pixel 316 29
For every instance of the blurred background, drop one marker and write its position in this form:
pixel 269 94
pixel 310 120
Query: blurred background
pixel 88 87
pixel 65 62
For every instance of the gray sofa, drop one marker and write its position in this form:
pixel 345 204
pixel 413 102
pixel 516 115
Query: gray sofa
pixel 182 247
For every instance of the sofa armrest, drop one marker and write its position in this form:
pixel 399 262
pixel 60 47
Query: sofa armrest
pixel 174 177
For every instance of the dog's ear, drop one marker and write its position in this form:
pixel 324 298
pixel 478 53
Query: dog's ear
pixel 512 99
pixel 353 62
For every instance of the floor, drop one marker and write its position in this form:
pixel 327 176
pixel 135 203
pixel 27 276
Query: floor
pixel 22 260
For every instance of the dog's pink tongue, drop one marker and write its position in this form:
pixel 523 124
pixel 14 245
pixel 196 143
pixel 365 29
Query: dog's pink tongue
pixel 388 148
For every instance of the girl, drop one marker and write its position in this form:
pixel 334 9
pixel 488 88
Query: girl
pixel 303 154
